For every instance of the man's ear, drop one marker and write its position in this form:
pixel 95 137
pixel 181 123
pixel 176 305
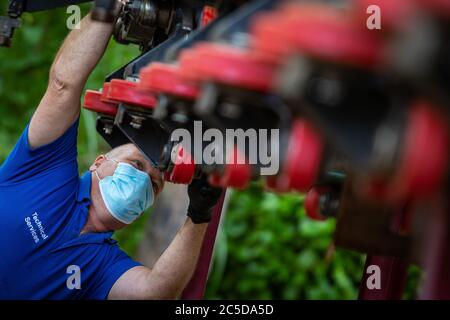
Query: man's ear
pixel 98 161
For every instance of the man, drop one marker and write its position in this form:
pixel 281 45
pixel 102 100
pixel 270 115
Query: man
pixel 56 228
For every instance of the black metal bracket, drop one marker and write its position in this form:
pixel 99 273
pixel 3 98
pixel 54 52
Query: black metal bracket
pixel 7 27
pixel 149 135
pixel 112 135
pixel 156 54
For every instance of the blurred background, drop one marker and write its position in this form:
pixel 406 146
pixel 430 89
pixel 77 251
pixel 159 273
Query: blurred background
pixel 267 247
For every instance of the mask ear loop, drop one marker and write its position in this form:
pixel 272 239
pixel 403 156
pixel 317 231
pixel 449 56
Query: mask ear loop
pixel 96 173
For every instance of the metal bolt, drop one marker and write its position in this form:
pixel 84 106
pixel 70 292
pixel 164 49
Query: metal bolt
pixel 108 129
pixel 136 121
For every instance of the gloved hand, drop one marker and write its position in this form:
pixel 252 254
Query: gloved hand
pixel 202 199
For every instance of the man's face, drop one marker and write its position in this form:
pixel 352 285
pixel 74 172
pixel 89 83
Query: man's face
pixel 128 154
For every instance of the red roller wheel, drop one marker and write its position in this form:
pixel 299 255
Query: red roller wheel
pixel 166 78
pixel 322 33
pixel 215 180
pixel 424 159
pixel 237 173
pixel 93 101
pixel 184 168
pixel 267 36
pixel 425 156
pixel 128 92
pixel 312 201
pixel 303 159
pixel 105 92
pixel 231 66
pixel 188 64
pixel 439 7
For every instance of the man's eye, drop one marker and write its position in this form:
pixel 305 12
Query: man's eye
pixel 138 165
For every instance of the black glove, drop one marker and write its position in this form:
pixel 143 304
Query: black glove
pixel 202 199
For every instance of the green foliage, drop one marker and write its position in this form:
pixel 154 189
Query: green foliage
pixel 269 249
pixel 412 290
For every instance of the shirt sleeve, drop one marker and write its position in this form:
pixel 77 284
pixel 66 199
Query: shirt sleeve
pixel 25 162
pixel 118 263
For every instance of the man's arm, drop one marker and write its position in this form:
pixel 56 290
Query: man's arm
pixel 170 274
pixel 175 267
pixel 60 106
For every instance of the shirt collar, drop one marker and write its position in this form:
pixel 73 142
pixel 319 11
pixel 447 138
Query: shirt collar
pixel 84 188
pixel 84 195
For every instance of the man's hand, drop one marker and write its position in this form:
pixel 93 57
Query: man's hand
pixel 202 199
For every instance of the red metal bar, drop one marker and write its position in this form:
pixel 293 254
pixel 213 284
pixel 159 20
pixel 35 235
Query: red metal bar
pixel 393 279
pixel 393 271
pixel 196 287
pixel 436 251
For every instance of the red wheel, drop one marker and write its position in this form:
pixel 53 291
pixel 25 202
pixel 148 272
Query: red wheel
pixel 215 180
pixel 303 159
pixel 105 92
pixel 322 33
pixel 267 36
pixel 425 156
pixel 424 159
pixel 184 168
pixel 439 7
pixel 93 101
pixel 237 173
pixel 231 66
pixel 166 78
pixel 128 92
pixel 188 65
pixel 312 203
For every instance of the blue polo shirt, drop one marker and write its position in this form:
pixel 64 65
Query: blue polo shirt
pixel 43 207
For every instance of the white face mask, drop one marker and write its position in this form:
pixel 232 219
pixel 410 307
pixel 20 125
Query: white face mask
pixel 127 193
